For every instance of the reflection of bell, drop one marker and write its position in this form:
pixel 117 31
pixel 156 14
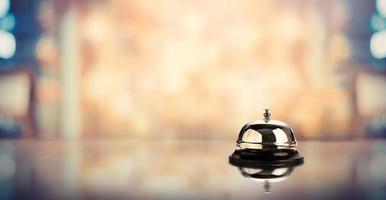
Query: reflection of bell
pixel 267 174
pixel 267 142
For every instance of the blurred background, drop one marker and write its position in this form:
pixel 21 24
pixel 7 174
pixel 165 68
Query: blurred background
pixel 191 69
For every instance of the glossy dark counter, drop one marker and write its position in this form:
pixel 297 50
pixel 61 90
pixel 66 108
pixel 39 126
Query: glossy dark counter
pixel 184 169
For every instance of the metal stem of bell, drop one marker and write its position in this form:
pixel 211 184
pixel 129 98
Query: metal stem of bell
pixel 266 115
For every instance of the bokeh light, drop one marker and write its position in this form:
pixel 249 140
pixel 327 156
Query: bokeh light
pixel 381 6
pixel 4 7
pixel 8 44
pixel 378 44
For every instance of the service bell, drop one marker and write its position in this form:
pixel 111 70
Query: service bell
pixel 266 141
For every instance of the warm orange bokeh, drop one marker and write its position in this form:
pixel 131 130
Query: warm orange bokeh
pixel 201 69
pixel 204 68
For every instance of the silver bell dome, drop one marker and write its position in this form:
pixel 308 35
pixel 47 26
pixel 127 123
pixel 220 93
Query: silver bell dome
pixel 266 134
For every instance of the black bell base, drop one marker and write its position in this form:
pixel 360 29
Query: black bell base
pixel 245 158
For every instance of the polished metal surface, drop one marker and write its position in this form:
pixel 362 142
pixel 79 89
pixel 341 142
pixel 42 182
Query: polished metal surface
pixel 266 133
